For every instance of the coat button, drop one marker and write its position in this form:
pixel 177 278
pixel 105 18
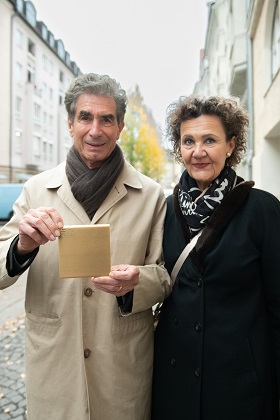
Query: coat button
pixel 173 362
pixel 87 353
pixel 88 291
pixel 199 283
pixel 176 320
pixel 197 327
pixel 197 372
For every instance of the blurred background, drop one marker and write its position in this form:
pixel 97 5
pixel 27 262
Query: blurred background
pixel 157 52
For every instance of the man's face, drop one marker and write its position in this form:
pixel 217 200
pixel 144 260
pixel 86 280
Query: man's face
pixel 95 129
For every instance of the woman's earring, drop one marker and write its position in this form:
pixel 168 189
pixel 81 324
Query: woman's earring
pixel 228 154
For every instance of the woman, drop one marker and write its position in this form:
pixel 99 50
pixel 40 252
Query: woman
pixel 217 343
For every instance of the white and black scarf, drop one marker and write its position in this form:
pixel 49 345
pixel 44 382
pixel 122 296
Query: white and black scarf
pixel 196 205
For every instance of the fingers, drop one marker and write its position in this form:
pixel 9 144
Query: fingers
pixel 105 284
pixel 38 227
pixel 121 280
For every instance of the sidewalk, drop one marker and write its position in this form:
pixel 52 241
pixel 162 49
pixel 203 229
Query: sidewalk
pixel 12 361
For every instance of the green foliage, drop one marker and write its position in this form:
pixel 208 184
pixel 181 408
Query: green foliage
pixel 140 140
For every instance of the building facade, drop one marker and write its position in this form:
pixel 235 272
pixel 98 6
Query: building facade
pixel 35 72
pixel 242 58
pixel 264 32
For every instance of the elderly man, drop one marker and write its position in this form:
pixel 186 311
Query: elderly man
pixel 89 354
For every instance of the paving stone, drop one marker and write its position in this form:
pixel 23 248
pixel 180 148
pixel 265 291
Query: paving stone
pixel 12 368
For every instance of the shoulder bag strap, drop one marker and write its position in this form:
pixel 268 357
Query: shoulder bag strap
pixel 183 256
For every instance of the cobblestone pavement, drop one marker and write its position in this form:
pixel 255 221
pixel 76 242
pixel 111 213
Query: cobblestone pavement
pixel 12 370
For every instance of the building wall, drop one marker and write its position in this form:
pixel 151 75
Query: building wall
pixel 237 61
pixel 224 61
pixel 6 12
pixel 36 73
pixel 266 160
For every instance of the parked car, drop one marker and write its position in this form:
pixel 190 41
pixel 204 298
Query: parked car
pixel 8 195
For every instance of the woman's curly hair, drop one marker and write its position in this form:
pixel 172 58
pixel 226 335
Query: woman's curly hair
pixel 233 116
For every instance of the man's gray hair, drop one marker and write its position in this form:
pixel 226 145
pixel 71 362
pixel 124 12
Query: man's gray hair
pixel 99 85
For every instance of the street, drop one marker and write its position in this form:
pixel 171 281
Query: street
pixel 12 361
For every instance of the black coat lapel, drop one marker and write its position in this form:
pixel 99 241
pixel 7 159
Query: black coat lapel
pixel 216 223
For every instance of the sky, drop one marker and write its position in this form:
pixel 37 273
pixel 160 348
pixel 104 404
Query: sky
pixel 153 43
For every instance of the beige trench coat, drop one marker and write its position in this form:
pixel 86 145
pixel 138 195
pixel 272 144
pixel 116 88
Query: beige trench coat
pixel 85 360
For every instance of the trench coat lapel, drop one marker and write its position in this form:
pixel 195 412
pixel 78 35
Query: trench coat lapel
pixel 59 180
pixel 129 177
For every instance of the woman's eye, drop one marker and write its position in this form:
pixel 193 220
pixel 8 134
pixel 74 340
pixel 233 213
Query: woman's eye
pixel 187 142
pixel 210 140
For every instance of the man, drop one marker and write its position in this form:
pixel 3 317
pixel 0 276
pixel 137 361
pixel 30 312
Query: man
pixel 88 354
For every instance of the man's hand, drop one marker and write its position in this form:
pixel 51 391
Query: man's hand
pixel 37 227
pixel 121 280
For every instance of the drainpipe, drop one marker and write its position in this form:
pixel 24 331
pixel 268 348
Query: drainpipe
pixel 250 106
pixel 11 101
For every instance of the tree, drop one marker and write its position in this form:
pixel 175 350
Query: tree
pixel 140 139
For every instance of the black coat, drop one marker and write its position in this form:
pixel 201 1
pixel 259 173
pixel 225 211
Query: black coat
pixel 217 344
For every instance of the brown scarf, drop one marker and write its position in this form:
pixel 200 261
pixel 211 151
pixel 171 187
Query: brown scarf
pixel 91 186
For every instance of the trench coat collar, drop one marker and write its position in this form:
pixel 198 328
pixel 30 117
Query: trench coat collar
pixel 58 180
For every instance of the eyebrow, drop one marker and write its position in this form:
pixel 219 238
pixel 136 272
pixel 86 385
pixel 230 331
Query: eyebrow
pixel 209 135
pixel 83 113
pixel 110 116
pixel 203 136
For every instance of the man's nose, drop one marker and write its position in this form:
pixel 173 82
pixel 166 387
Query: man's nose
pixel 95 128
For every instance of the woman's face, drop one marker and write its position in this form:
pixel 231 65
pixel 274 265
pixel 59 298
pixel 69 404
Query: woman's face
pixel 204 148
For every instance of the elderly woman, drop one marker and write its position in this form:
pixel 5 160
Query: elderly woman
pixel 217 343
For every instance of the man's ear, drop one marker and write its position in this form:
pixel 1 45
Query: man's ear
pixel 70 127
pixel 121 126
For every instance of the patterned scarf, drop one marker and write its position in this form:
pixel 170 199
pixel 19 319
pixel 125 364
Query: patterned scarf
pixel 91 186
pixel 197 206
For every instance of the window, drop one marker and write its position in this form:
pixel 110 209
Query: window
pixel 51 40
pixel 45 149
pixel 18 71
pixel 36 113
pixel 18 107
pixel 275 42
pixel 45 119
pixel 50 67
pixel 60 49
pixel 31 14
pixel 20 5
pixel 45 91
pixel 45 62
pixel 30 74
pixel 36 146
pixel 50 95
pixel 44 31
pixel 31 47
pixel 51 152
pixel 61 76
pixel 18 141
pixel 51 124
pixel 67 59
pixel 19 38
